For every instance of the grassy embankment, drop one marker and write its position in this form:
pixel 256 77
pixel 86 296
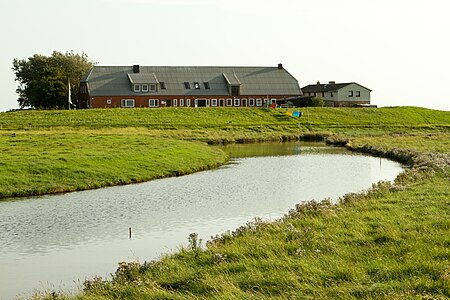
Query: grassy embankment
pixel 58 151
pixel 392 242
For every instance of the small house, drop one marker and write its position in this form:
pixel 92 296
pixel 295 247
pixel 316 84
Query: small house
pixel 339 94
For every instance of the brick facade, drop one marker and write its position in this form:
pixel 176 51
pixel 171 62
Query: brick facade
pixel 174 101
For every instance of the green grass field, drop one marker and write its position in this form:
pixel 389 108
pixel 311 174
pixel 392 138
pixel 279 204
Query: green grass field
pixel 34 164
pixel 392 242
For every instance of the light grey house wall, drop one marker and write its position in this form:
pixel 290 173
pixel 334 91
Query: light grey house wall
pixel 329 97
pixel 344 93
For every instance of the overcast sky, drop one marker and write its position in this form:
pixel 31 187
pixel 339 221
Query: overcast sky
pixel 398 48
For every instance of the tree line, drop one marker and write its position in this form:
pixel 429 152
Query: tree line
pixel 44 80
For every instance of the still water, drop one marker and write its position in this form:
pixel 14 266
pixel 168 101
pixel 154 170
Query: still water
pixel 55 242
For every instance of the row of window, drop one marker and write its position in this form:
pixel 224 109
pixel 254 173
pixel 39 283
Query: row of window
pixel 350 93
pixel 198 102
pixel 187 85
pixel 130 102
pixel 144 88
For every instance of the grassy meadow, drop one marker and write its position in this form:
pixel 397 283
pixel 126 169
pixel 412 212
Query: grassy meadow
pixel 392 242
pixel 37 163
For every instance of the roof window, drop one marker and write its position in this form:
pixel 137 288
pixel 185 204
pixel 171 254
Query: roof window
pixel 187 85
pixel 207 85
pixel 196 85
pixel 162 85
pixel 235 90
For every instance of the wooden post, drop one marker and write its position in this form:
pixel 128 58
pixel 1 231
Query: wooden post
pixel 129 230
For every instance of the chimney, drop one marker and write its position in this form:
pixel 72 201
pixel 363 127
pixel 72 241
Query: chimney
pixel 135 68
pixel 331 82
pixel 318 82
pixel 280 66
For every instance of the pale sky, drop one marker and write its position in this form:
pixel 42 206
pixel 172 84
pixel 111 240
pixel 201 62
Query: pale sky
pixel 398 48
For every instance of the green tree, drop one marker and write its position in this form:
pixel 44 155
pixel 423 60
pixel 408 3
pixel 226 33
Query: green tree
pixel 44 80
pixel 317 101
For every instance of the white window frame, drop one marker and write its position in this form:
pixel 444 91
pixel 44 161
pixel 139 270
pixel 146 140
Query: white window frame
pixel 213 102
pixel 154 104
pixel 175 102
pixel 251 102
pixel 181 102
pixel 124 103
pixel 258 101
pixel 237 102
pixel 108 101
pixel 152 88
pixel 188 102
pixel 137 88
pixel 144 88
pixel 229 102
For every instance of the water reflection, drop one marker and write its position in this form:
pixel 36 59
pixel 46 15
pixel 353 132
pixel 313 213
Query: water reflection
pixel 60 239
pixel 278 149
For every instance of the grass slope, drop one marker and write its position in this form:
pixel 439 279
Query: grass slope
pixel 163 118
pixel 34 164
pixel 195 118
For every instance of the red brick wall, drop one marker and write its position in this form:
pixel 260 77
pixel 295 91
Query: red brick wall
pixel 143 101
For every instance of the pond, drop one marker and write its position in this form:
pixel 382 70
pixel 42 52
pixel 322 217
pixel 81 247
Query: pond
pixel 55 242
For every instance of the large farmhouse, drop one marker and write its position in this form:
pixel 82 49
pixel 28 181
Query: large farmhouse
pixel 339 94
pixel 146 86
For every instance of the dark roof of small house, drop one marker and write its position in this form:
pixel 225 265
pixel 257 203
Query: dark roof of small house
pixel 327 87
pixel 117 80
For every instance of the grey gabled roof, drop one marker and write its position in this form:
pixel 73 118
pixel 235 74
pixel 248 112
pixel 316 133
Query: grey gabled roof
pixel 143 78
pixel 117 80
pixel 232 79
pixel 320 87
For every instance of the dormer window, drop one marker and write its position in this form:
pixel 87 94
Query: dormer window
pixel 235 90
pixel 196 85
pixel 162 85
pixel 137 88
pixel 145 88
pixel 152 87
